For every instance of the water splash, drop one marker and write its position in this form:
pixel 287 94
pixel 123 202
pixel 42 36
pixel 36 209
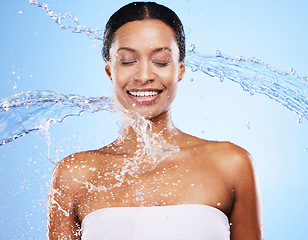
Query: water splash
pixel 25 112
pixel 59 18
pixel 255 76
pixel 153 144
pixel 35 110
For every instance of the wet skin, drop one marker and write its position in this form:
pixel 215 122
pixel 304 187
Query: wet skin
pixel 145 70
pixel 144 57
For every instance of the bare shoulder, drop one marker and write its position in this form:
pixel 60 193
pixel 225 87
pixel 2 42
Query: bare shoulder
pixel 224 153
pixel 234 161
pixel 77 167
pixel 239 159
pixel 229 152
pixel 238 166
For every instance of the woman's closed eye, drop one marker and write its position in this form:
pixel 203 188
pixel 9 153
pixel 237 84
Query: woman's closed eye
pixel 161 63
pixel 127 62
pixel 161 58
pixel 126 59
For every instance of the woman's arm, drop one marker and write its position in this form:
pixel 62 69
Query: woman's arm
pixel 62 222
pixel 246 215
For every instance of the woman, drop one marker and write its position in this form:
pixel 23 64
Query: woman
pixel 154 181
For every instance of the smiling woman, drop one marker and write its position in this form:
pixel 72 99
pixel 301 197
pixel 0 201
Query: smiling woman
pixel 144 67
pixel 196 190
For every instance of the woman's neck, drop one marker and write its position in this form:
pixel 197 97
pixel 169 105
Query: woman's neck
pixel 136 131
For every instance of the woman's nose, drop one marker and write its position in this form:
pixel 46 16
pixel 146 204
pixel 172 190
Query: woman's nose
pixel 144 73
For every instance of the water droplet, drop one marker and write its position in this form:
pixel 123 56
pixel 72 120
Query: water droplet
pixel 301 119
pixel 293 71
pixel 192 48
pixel 191 79
pixel 20 12
pixel 33 2
pixel 194 68
pixel 248 125
pixel 218 53
pixel 252 92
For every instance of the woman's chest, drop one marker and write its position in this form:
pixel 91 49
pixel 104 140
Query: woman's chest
pixel 177 182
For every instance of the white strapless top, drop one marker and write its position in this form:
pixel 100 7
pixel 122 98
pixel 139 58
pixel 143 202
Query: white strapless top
pixel 174 222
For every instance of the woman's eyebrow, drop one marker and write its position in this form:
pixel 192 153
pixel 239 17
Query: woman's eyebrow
pixel 133 50
pixel 127 49
pixel 162 49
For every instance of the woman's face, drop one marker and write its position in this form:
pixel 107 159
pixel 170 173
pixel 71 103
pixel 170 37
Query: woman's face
pixel 144 67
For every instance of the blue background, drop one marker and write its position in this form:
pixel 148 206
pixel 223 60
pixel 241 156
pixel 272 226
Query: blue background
pixel 35 54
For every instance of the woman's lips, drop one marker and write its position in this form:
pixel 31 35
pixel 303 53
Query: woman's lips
pixel 144 96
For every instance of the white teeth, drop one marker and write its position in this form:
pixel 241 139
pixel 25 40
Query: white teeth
pixel 143 93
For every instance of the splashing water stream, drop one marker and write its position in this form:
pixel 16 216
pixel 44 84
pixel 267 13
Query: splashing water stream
pixel 35 110
pixel 23 113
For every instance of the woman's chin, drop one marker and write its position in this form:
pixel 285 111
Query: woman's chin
pixel 145 115
pixel 152 116
pixel 132 111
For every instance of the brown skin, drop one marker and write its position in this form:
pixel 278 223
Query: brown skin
pixel 218 174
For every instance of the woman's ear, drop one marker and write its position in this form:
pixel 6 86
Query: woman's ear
pixel 182 70
pixel 107 69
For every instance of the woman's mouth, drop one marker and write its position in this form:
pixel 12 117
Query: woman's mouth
pixel 144 93
pixel 144 96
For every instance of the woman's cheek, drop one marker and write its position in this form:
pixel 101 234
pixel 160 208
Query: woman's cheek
pixel 170 77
